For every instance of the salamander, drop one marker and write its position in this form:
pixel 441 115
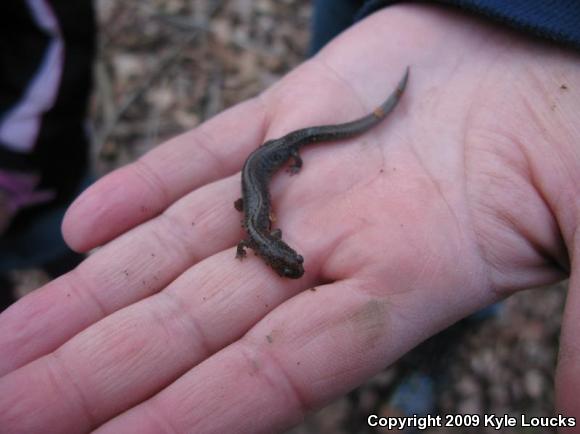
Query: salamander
pixel 266 160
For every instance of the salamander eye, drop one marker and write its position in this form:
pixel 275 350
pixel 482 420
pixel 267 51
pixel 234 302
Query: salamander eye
pixel 299 259
pixel 293 272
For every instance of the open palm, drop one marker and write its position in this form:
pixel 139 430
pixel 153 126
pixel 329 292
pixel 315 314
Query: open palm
pixel 437 212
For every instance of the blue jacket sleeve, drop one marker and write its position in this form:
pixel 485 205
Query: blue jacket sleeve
pixel 557 20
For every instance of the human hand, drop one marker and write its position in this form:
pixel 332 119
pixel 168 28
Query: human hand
pixel 463 195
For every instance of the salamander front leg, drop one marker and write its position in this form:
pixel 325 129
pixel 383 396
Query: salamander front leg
pixel 240 251
pixel 239 204
pixel 296 163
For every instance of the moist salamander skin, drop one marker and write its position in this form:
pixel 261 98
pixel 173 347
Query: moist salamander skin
pixel 267 160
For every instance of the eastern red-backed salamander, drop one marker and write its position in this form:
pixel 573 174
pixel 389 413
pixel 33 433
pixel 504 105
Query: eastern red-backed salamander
pixel 266 160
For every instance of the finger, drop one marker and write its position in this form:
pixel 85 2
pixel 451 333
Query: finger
pixel 296 359
pixel 141 190
pixel 132 267
pixel 132 354
pixel 568 370
pixel 125 271
pixel 146 259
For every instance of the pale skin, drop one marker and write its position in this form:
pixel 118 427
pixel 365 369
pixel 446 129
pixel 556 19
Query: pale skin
pixel 466 194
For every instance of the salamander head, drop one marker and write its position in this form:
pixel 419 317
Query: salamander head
pixel 294 269
pixel 286 262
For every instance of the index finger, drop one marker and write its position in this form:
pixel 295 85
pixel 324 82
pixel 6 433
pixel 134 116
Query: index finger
pixel 141 190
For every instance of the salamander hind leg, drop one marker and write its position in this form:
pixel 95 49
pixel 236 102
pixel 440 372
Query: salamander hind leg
pixel 296 163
